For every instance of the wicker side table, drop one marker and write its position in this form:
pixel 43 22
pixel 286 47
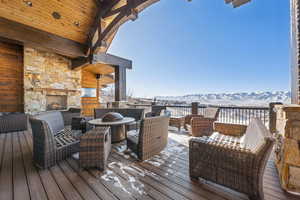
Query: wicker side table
pixel 177 122
pixel 95 146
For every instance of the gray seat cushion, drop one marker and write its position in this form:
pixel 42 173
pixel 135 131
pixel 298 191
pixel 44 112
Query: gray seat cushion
pixel 54 120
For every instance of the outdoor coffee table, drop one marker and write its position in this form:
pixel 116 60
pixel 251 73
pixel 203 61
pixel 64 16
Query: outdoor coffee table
pixel 118 130
pixel 177 121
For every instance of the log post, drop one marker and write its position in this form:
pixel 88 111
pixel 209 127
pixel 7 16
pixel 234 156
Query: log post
pixel 120 83
pixel 272 116
pixel 195 108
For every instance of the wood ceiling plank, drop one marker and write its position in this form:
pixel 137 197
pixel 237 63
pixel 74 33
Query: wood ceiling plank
pixel 39 15
pixel 100 69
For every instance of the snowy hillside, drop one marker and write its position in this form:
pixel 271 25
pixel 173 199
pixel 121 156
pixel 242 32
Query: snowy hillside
pixel 242 98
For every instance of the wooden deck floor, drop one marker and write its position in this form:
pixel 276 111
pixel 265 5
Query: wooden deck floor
pixel 163 177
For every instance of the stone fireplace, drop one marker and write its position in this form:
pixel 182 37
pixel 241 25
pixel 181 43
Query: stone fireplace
pixel 56 102
pixel 49 83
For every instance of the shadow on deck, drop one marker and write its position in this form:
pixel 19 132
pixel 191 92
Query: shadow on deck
pixel 165 176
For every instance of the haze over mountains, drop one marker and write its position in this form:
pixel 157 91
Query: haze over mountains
pixel 240 98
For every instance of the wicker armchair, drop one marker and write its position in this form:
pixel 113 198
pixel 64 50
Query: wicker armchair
pixel 187 121
pixel 199 125
pixel 155 111
pixel 11 122
pixel 151 139
pixel 237 163
pixel 51 142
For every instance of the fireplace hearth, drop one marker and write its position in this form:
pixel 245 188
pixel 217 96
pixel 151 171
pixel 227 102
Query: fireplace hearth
pixel 56 102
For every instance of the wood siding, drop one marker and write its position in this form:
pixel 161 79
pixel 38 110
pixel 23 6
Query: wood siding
pixel 88 105
pixel 11 78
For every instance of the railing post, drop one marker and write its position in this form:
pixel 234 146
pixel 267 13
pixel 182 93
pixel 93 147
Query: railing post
pixel 272 116
pixel 195 108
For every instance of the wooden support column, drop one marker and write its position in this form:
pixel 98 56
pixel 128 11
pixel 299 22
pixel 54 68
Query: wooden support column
pixel 195 108
pixel 120 83
pixel 97 90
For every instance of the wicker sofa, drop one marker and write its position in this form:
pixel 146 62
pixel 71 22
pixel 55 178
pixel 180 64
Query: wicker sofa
pixel 151 138
pixel 200 125
pixel 51 141
pixel 136 113
pixel 12 122
pixel 237 163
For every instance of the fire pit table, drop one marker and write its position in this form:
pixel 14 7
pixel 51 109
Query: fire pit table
pixel 118 131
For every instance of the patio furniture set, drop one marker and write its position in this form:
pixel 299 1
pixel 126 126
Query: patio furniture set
pixel 235 162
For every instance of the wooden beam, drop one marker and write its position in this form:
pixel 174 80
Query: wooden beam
pixel 103 8
pixel 79 62
pixel 40 40
pixel 111 60
pixel 103 58
pixel 123 14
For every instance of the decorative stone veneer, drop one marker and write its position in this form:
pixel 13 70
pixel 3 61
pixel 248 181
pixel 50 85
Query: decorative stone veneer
pixel 288 146
pixel 48 74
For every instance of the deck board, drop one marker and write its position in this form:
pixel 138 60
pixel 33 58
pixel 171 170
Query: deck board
pixel 164 176
pixel 19 176
pixel 6 179
pixel 35 185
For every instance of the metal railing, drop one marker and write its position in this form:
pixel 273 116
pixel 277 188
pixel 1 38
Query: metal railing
pixel 228 114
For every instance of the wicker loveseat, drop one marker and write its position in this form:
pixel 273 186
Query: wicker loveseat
pixel 12 122
pixel 151 138
pixel 136 113
pixel 200 125
pixel 51 141
pixel 237 163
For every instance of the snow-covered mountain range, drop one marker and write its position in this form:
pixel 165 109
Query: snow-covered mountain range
pixel 240 98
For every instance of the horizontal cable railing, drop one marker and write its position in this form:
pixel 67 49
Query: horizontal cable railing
pixel 228 114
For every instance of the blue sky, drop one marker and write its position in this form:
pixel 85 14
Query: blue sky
pixel 206 46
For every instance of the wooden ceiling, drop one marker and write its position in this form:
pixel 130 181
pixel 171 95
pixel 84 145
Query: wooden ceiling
pixel 91 23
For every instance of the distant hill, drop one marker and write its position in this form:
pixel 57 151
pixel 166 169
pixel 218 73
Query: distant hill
pixel 240 98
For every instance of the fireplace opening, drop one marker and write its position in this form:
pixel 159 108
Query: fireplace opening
pixel 56 102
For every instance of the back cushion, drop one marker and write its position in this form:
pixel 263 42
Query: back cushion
pixel 54 120
pixel 255 135
pixel 211 113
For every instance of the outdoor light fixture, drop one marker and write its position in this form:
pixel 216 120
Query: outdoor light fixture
pixel 98 76
pixel 237 3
